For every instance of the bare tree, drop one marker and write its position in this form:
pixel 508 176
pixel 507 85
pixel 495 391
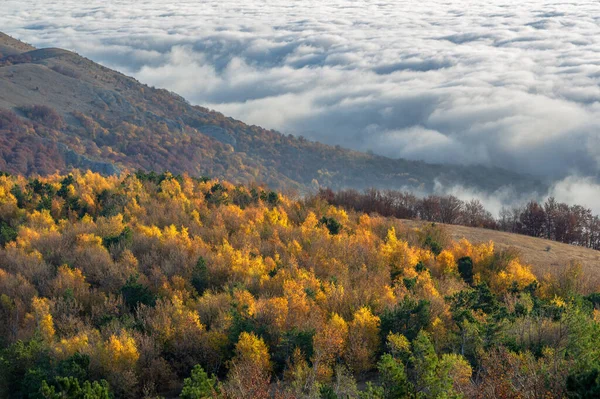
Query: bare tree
pixel 450 209
pixel 475 215
pixel 533 219
pixel 430 208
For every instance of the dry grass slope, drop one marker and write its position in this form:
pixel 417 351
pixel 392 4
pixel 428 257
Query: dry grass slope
pixel 544 256
pixel 11 46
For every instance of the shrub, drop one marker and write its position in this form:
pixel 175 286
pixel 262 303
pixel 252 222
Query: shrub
pixel 332 225
pixel 70 388
pixel 71 73
pixel 44 115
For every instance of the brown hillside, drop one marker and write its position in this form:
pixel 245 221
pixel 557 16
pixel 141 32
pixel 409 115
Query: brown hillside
pixel 59 111
pixel 10 46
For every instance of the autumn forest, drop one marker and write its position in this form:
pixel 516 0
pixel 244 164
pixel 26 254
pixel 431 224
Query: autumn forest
pixel 159 285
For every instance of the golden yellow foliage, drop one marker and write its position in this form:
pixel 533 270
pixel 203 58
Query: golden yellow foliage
pixel 45 323
pixel 459 370
pixel 91 240
pixel 8 202
pixel 41 221
pixel 245 303
pixel 67 347
pixel 329 342
pixel 298 305
pixel 273 311
pixel 363 340
pixel 397 344
pixel 119 352
pixel 252 349
pixel 398 253
pixel 170 275
pixel 447 262
pixel 309 225
pixel 70 279
pixel 110 227
pixel 515 273
pixel 277 217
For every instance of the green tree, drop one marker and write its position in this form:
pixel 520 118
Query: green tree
pixel 135 293
pixel 585 385
pixel 70 388
pixel 198 385
pixel 24 366
pixel 200 276
pixel 7 233
pixel 327 392
pixel 434 375
pixel 407 318
pixel 372 392
pixel 124 239
pixel 393 378
pixel 465 268
pixel 332 225
pixel 583 337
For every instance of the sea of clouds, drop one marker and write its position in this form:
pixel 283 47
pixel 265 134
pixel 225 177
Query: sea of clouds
pixel 509 83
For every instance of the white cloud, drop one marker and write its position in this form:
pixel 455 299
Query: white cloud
pixel 504 197
pixel 577 190
pixel 509 83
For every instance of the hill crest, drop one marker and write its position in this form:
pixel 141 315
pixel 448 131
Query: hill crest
pixel 12 46
pixel 107 118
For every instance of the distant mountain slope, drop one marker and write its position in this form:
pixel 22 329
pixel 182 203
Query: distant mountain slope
pixel 59 110
pixel 10 46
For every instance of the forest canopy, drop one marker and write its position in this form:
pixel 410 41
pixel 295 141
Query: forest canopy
pixel 160 285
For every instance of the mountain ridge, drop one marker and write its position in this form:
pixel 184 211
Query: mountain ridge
pixel 106 117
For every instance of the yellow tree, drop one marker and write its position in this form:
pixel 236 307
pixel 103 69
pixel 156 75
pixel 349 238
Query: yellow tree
pixel 363 340
pixel 43 318
pixel 398 254
pixel 119 352
pixel 8 202
pixel 118 357
pixel 329 343
pixel 70 279
pixel 514 274
pixel 447 262
pixel 249 370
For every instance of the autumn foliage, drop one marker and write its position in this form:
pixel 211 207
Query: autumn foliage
pixel 150 285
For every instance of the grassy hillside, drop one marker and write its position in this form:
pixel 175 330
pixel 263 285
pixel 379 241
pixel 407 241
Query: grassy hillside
pixel 544 256
pixel 59 110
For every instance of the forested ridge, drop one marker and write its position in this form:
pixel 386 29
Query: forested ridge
pixel 60 111
pixel 160 285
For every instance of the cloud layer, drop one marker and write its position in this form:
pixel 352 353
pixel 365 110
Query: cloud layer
pixel 510 83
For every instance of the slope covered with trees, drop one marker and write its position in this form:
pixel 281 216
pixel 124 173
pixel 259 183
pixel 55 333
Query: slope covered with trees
pixel 60 111
pixel 152 285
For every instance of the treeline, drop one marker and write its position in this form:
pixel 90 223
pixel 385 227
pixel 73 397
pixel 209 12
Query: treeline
pixel 553 220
